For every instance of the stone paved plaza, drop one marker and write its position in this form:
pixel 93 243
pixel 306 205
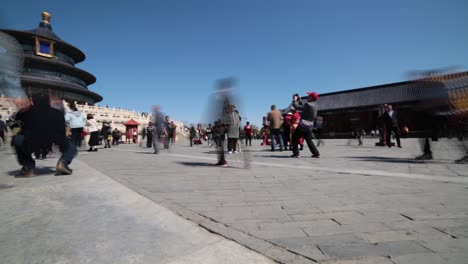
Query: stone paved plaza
pixel 356 204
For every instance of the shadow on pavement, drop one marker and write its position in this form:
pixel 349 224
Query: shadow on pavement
pixel 243 150
pixel 356 146
pixel 274 156
pixel 40 171
pixel 211 152
pixel 196 163
pixel 205 164
pixel 394 160
pixel 145 152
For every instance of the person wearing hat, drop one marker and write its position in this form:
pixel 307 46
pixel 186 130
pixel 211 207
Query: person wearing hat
pixel 308 115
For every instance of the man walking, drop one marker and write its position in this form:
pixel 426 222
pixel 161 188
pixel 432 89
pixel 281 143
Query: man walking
pixel 306 124
pixel 169 131
pixel 159 131
pixel 391 125
pixel 276 120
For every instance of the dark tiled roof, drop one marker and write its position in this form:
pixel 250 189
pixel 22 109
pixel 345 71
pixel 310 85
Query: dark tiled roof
pixel 45 30
pixel 390 93
pixel 40 62
pixel 24 36
pixel 27 79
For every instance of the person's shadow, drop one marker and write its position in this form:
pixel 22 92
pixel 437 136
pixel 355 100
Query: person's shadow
pixel 196 163
pixel 40 171
pixel 392 160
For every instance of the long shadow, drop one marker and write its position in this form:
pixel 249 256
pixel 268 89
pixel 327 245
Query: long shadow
pixel 243 150
pixel 196 163
pixel 356 146
pixel 203 164
pixel 144 152
pixel 273 156
pixel 40 171
pixel 394 160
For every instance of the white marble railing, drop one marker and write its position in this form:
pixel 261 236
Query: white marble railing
pixel 117 116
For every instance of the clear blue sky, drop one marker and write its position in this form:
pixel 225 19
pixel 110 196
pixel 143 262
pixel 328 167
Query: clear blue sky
pixel 171 52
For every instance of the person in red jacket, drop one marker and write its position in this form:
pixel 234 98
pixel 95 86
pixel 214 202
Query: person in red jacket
pixel 293 120
pixel 248 134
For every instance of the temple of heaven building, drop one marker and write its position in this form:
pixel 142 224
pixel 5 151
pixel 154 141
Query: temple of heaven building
pixel 49 65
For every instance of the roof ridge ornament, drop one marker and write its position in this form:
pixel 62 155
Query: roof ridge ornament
pixel 46 17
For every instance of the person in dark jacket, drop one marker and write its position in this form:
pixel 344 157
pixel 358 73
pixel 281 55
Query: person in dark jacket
pixel 193 135
pixel 3 130
pixel 106 132
pixel 149 135
pixel 42 125
pixel 436 98
pixel 115 137
pixel 391 125
pixel 308 115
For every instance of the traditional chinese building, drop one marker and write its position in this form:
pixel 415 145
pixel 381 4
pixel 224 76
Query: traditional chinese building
pixel 364 105
pixel 49 65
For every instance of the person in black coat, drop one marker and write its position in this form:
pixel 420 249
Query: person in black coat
pixel 106 132
pixel 42 125
pixel 391 125
pixel 3 130
pixel 304 129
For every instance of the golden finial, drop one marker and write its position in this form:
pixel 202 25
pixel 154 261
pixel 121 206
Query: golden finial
pixel 45 17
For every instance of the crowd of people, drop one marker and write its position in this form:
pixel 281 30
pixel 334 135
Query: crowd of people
pixel 290 128
pixel 40 125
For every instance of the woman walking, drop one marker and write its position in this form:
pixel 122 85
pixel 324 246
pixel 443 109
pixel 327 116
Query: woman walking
pixel 75 121
pixel 92 129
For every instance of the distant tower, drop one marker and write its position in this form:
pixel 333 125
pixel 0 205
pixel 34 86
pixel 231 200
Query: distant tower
pixel 49 65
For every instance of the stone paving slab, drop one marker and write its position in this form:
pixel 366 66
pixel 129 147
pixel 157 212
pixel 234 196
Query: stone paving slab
pixel 303 196
pixel 89 218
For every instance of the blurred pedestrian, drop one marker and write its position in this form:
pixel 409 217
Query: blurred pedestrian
pixel 106 132
pixel 3 130
pixel 42 125
pixel 233 122
pixel 159 130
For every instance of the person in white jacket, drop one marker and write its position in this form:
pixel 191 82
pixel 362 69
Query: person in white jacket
pixel 75 121
pixel 91 127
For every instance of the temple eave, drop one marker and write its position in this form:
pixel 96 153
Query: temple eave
pixel 61 67
pixel 29 80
